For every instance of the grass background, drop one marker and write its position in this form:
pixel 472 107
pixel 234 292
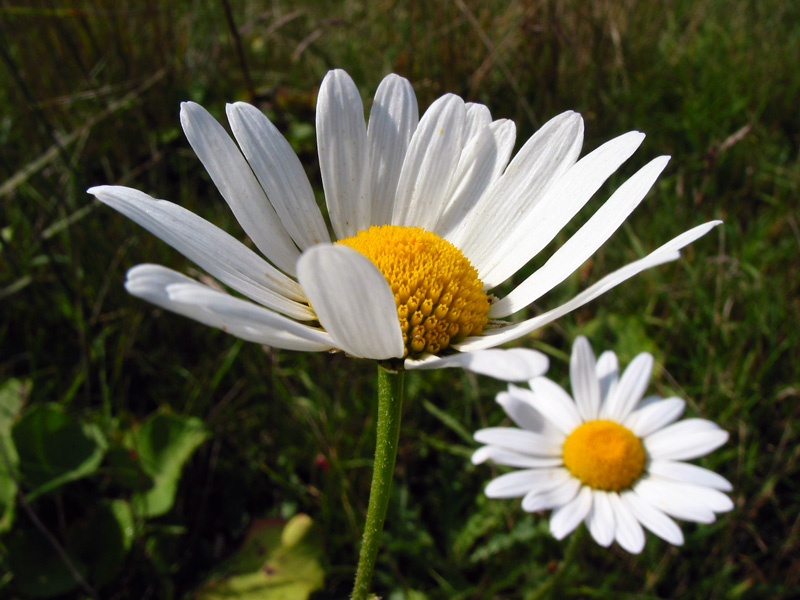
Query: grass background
pixel 90 93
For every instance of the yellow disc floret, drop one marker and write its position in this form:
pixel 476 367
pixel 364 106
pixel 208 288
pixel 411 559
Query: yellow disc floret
pixel 439 298
pixel 604 455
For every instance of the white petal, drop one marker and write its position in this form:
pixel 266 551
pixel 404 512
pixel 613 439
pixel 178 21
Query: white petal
pixel 392 121
pixel 525 237
pixel 235 181
pixel 671 498
pixel 685 440
pixel 553 402
pixel 630 389
pixel 652 518
pixel 343 153
pixel 429 164
pixel 551 498
pixel 178 293
pixel 583 377
pixel 519 440
pixel 628 533
pixel 220 254
pixel 280 174
pixel 687 473
pixel 568 517
pixel 481 163
pixel 581 246
pixel 544 157
pixel 668 252
pixel 649 418
pixel 516 403
pixel 705 497
pixel 514 364
pixel 509 458
pixel 477 117
pixel 607 373
pixel 519 483
pixel 539 422
pixel 352 300
pixel 600 519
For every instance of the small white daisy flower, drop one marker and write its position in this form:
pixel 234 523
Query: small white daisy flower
pixel 607 457
pixel 428 215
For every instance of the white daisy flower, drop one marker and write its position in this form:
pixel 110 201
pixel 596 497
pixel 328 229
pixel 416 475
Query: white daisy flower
pixel 607 457
pixel 428 216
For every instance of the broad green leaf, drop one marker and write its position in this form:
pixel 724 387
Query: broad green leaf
pixel 39 572
pixel 276 562
pixel 126 469
pixel 102 539
pixel 163 444
pixel 11 397
pixel 55 448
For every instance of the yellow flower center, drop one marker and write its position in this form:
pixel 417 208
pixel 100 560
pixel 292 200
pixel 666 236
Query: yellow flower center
pixel 604 455
pixel 439 298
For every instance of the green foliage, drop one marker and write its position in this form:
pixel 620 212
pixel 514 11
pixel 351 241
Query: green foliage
pixel 90 93
pixel 278 561
pixel 54 448
pixel 162 445
pixel 11 399
pixel 39 571
pixel 47 452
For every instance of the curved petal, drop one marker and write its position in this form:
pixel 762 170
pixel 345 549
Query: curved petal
pixel 539 421
pixel 553 402
pixel 628 533
pixel 516 403
pixel 706 497
pixel 509 458
pixel 280 174
pixel 392 120
pixel 630 389
pixel 648 419
pixel 514 364
pixel 343 153
pixel 668 497
pixel 581 246
pixel 568 517
pixel 687 473
pixel 352 301
pixel 544 157
pixel 519 483
pixel 607 374
pixel 478 116
pixel 429 164
pixel 551 498
pixel 652 518
pixel 685 440
pixel 481 163
pixel 239 187
pixel 176 292
pixel 583 377
pixel 666 253
pixel 519 440
pixel 527 236
pixel 600 520
pixel 218 253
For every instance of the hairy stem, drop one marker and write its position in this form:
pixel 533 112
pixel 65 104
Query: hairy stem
pixel 390 403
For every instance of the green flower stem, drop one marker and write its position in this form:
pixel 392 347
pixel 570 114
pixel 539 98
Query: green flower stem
pixel 549 586
pixel 390 404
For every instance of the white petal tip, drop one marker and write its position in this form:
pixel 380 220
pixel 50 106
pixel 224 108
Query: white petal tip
pixel 479 456
pixel 515 364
